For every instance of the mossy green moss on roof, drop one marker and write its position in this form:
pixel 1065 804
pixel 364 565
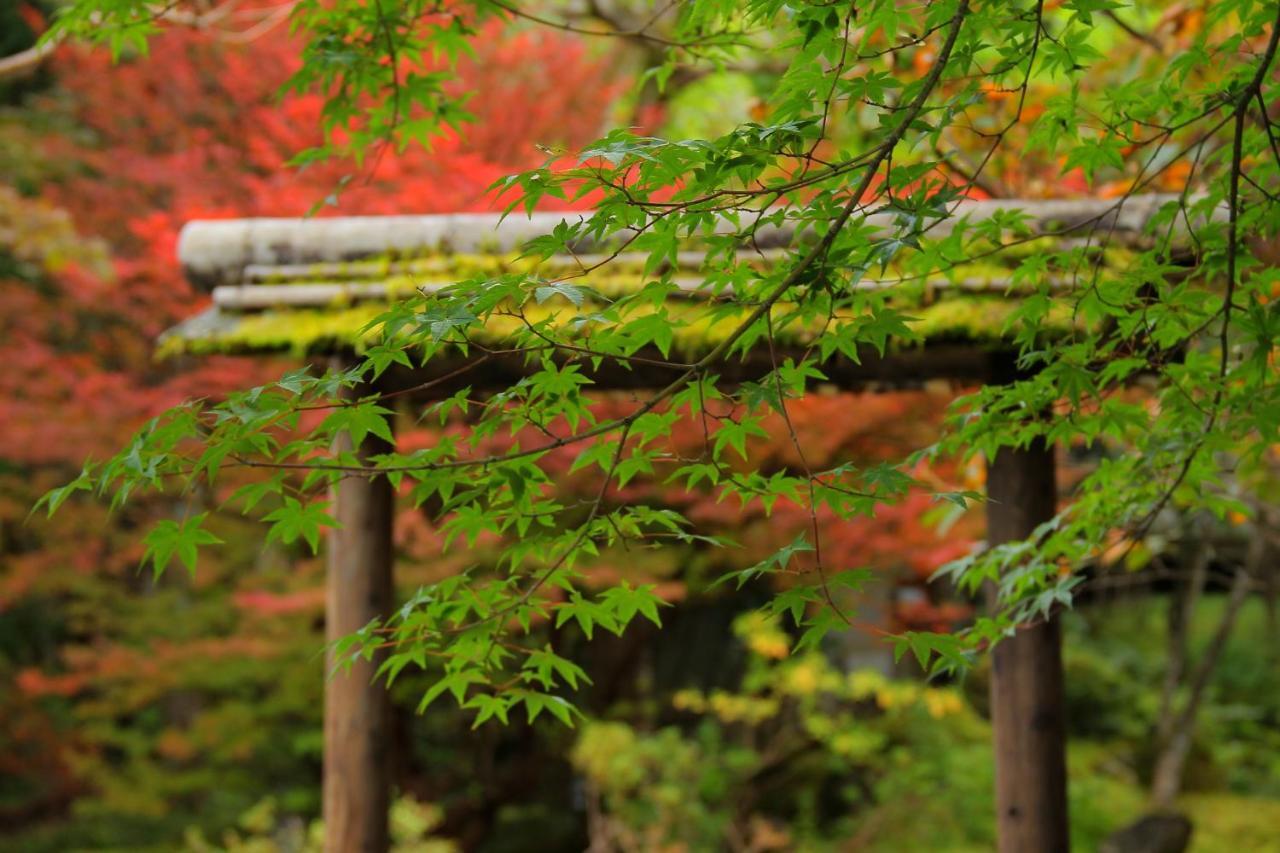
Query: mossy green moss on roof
pixel 969 303
pixel 620 274
pixel 978 319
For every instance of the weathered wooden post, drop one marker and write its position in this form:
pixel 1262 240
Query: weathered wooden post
pixel 357 711
pixel 1026 674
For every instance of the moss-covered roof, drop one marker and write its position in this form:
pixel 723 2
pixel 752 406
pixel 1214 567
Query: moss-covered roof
pixel 305 286
pixel 978 319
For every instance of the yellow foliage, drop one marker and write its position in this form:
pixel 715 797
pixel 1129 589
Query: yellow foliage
pixel 762 636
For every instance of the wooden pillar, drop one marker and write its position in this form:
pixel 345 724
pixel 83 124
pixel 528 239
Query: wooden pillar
pixel 357 711
pixel 1026 674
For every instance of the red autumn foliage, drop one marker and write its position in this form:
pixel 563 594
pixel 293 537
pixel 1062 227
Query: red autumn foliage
pixel 122 156
pixel 195 131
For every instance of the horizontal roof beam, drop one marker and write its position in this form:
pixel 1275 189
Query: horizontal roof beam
pixel 221 251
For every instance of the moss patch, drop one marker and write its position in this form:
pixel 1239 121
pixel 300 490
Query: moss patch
pixel 980 320
pixel 966 305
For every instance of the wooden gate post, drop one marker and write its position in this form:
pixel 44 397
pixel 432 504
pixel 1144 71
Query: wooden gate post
pixel 357 711
pixel 1026 674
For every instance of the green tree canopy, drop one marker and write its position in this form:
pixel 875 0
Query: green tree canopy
pixel 876 119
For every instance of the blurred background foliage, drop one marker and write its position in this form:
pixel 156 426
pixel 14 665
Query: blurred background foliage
pixel 185 713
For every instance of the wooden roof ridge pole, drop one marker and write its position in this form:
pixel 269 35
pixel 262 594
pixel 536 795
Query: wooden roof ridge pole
pixel 357 710
pixel 214 252
pixel 1027 717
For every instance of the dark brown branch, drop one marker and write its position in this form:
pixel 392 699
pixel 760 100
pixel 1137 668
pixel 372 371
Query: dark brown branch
pixel 1133 32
